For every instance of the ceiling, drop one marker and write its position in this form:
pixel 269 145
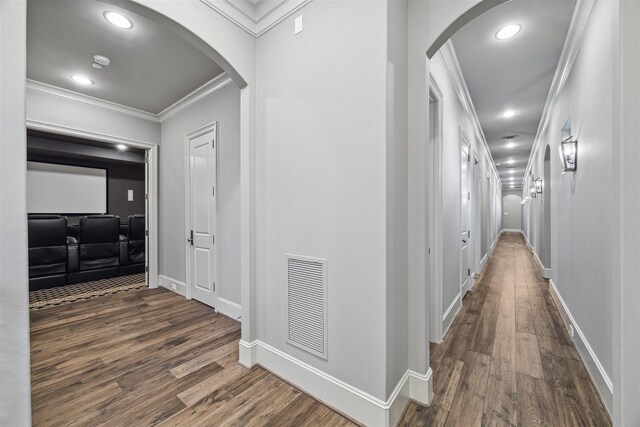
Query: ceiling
pixel 151 67
pixel 513 74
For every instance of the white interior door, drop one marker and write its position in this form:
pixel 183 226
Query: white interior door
pixel 203 268
pixel 465 235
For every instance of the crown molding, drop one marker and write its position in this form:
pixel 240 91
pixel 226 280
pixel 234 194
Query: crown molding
pixel 577 28
pixel 90 100
pixel 255 18
pixel 212 86
pixel 460 85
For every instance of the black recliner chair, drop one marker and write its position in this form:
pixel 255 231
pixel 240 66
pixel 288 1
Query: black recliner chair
pixel 96 256
pixel 47 251
pixel 132 250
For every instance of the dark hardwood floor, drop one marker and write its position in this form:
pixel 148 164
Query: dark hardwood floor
pixel 150 357
pixel 507 359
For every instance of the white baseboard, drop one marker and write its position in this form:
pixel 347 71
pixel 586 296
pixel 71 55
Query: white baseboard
pixel 483 261
pixel 248 355
pixel 594 367
pixel 450 314
pixel 546 272
pixel 511 230
pixel 351 401
pixel 172 284
pixel 229 308
pixel 529 245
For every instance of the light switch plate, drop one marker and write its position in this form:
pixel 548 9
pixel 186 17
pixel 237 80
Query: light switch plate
pixel 130 195
pixel 298 25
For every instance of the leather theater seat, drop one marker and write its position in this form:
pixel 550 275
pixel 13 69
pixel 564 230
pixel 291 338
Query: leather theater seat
pixel 47 251
pixel 97 253
pixel 132 250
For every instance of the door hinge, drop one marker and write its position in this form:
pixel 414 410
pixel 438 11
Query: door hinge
pixel 468 272
pixel 468 157
pixel 213 143
pixel 214 239
pixel 146 268
pixel 214 286
pixel 213 191
pixel 469 233
pixel 469 196
pixel 146 232
pixel 146 196
pixel 429 250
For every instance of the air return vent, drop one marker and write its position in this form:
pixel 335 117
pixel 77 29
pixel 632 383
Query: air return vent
pixel 307 304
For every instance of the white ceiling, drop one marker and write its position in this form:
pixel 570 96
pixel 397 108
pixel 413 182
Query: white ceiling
pixel 151 67
pixel 513 74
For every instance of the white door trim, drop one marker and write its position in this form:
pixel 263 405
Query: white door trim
pixel 152 182
pixel 434 227
pixel 464 286
pixel 213 126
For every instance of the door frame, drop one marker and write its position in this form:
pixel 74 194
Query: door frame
pixel 462 138
pixel 435 238
pixel 151 179
pixel 187 208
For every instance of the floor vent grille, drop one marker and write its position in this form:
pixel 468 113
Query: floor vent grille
pixel 307 304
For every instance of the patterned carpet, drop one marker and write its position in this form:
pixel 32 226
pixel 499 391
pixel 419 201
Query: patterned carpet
pixel 83 291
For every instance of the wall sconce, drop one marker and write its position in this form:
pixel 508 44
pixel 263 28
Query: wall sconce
pixel 569 155
pixel 538 184
pixel 532 192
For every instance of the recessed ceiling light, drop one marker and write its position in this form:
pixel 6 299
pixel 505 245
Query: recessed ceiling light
pixel 498 164
pixel 512 171
pixel 508 114
pixel 511 144
pixel 82 80
pixel 121 147
pixel 118 20
pixel 508 31
pixel 511 161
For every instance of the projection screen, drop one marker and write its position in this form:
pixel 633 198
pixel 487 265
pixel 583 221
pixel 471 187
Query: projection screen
pixel 62 189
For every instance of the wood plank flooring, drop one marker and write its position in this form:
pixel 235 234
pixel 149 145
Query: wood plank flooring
pixel 507 360
pixel 150 357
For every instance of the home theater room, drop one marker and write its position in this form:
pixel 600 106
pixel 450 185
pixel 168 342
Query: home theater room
pixel 86 218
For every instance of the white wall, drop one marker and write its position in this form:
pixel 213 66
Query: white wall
pixel 67 113
pixel 511 210
pixel 455 118
pixel 15 387
pixel 223 107
pixel 322 180
pixel 583 209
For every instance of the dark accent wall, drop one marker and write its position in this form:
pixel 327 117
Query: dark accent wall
pixel 121 175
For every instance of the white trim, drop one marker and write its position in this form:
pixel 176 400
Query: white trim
pixel 254 22
pixel 483 261
pixel 545 272
pixel 575 34
pixel 591 361
pixel 209 88
pixel 151 177
pixel 248 353
pixel 90 100
pixel 86 134
pixel 451 313
pixel 452 65
pixel 510 230
pixel 345 398
pixel 166 282
pixel 434 187
pixel 229 308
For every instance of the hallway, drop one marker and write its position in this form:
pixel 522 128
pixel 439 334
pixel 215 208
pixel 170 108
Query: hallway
pixel 507 359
